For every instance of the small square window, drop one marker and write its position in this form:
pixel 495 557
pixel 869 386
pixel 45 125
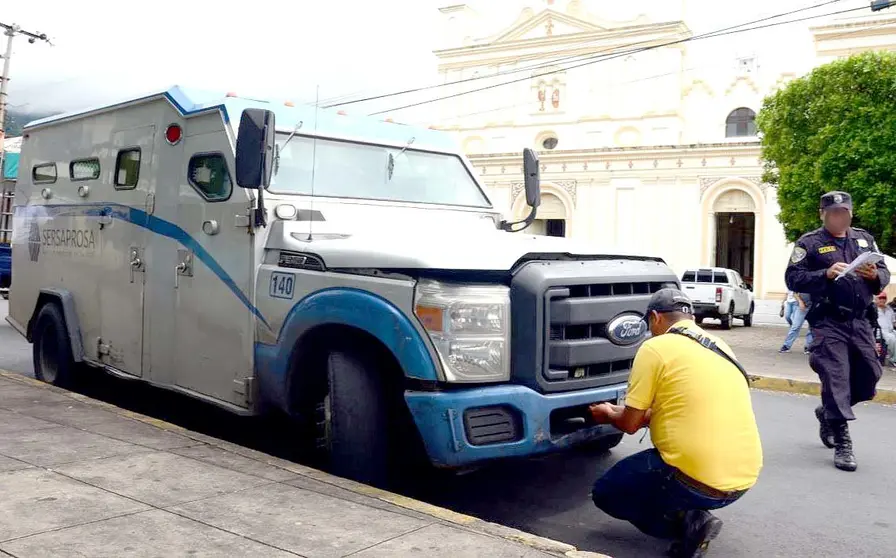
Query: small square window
pixel 208 174
pixel 44 174
pixel 84 169
pixel 127 169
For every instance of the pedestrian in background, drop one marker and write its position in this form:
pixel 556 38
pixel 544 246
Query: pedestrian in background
pixel 797 317
pixel 843 354
pixel 885 320
pixel 688 389
pixel 787 307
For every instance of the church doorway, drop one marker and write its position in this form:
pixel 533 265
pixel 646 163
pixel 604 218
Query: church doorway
pixel 550 220
pixel 734 242
pixel 735 227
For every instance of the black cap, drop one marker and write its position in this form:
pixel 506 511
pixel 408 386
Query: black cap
pixel 669 300
pixel 836 200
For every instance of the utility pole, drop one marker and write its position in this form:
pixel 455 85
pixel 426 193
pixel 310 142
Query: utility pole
pixel 11 30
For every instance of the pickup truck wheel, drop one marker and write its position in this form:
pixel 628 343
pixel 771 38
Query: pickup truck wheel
pixel 603 445
pixel 353 420
pixel 699 320
pixel 748 319
pixel 51 348
pixel 728 318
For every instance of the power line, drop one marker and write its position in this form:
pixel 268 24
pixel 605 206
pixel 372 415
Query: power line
pixel 721 33
pixel 657 76
pixel 11 30
pixel 571 58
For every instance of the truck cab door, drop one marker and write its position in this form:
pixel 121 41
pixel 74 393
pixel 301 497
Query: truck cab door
pixel 212 277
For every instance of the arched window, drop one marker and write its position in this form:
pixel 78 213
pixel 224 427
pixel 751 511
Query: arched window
pixel 740 123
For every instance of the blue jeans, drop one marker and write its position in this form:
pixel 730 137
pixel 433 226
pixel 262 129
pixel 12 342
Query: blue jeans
pixel 797 319
pixel 788 311
pixel 643 490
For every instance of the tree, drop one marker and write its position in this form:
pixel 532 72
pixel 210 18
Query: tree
pixel 835 129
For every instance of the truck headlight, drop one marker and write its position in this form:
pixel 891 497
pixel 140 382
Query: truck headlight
pixel 470 328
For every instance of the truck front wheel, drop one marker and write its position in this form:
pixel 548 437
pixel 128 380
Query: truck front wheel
pixel 353 419
pixel 603 445
pixel 51 348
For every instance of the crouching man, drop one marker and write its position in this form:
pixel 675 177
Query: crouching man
pixel 689 390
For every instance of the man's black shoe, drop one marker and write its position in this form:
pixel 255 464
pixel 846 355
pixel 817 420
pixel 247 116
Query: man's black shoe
pixel 844 458
pixel 701 527
pixel 825 432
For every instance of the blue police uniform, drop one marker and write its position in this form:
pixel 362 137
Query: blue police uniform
pixel 843 352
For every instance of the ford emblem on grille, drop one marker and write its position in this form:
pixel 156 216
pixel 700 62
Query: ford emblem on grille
pixel 626 329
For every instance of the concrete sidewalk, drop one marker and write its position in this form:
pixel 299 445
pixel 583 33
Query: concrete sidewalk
pixel 79 477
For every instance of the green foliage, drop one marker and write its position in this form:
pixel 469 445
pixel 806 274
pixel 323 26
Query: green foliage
pixel 16 120
pixel 835 129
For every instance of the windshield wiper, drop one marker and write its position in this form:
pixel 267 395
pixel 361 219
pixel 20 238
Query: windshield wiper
pixel 391 165
pixel 277 148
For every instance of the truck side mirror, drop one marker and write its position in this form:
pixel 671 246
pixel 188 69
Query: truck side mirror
pixel 532 176
pixel 255 149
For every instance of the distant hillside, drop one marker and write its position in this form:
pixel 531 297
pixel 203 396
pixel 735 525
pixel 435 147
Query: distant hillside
pixel 16 119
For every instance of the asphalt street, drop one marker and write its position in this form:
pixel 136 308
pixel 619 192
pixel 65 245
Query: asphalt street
pixel 801 506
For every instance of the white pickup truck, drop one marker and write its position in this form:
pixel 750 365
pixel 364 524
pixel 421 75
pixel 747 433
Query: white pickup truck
pixel 719 293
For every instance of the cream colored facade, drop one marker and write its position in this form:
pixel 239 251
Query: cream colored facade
pixel 637 152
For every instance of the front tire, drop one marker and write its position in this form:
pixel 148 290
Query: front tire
pixel 603 445
pixel 748 319
pixel 353 419
pixel 728 318
pixel 51 348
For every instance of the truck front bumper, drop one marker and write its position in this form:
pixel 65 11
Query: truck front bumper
pixel 470 426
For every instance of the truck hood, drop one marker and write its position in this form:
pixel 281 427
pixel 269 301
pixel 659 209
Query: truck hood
pixel 420 239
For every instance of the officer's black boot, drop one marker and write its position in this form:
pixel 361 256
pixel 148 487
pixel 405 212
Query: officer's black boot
pixel 825 432
pixel 844 458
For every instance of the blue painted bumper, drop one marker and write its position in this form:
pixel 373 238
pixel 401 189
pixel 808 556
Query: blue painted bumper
pixel 439 418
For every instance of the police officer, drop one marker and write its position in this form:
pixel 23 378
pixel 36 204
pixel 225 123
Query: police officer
pixel 843 352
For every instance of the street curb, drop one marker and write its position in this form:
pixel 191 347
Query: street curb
pixel 805 387
pixel 442 514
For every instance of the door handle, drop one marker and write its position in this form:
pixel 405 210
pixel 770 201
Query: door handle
pixel 136 262
pixel 184 268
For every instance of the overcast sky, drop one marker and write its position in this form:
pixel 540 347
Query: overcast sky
pixel 285 49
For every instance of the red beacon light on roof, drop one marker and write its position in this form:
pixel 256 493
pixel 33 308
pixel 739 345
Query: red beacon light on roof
pixel 289 104
pixel 230 94
pixel 173 134
pixel 342 113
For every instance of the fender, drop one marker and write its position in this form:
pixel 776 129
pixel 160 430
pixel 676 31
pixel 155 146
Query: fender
pixel 67 302
pixel 342 306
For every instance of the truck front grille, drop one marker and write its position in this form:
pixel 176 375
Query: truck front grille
pixel 578 345
pixel 572 305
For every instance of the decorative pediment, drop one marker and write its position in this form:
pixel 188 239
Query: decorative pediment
pixel 548 23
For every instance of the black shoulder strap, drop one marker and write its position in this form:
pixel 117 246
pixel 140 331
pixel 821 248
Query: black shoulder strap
pixel 710 344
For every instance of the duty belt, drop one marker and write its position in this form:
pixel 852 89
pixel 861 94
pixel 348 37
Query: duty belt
pixel 704 489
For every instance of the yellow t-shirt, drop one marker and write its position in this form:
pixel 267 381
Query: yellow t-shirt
pixel 702 418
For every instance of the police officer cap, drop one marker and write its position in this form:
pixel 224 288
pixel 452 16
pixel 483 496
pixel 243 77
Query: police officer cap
pixel 836 200
pixel 670 300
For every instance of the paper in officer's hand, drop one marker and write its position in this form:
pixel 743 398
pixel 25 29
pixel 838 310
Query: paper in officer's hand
pixel 864 258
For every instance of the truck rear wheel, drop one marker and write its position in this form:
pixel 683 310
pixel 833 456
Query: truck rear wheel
pixel 353 419
pixel 51 347
pixel 728 318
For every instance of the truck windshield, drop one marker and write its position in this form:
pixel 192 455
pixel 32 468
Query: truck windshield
pixel 345 169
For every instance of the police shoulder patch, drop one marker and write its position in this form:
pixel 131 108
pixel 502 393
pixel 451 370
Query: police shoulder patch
pixel 798 255
pixel 827 249
pixel 862 243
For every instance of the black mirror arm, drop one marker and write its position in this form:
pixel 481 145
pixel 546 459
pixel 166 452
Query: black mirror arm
pixel 509 226
pixel 261 216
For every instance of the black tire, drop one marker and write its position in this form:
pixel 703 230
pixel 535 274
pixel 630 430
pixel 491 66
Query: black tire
pixel 748 319
pixel 603 445
pixel 51 347
pixel 728 319
pixel 699 320
pixel 353 419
